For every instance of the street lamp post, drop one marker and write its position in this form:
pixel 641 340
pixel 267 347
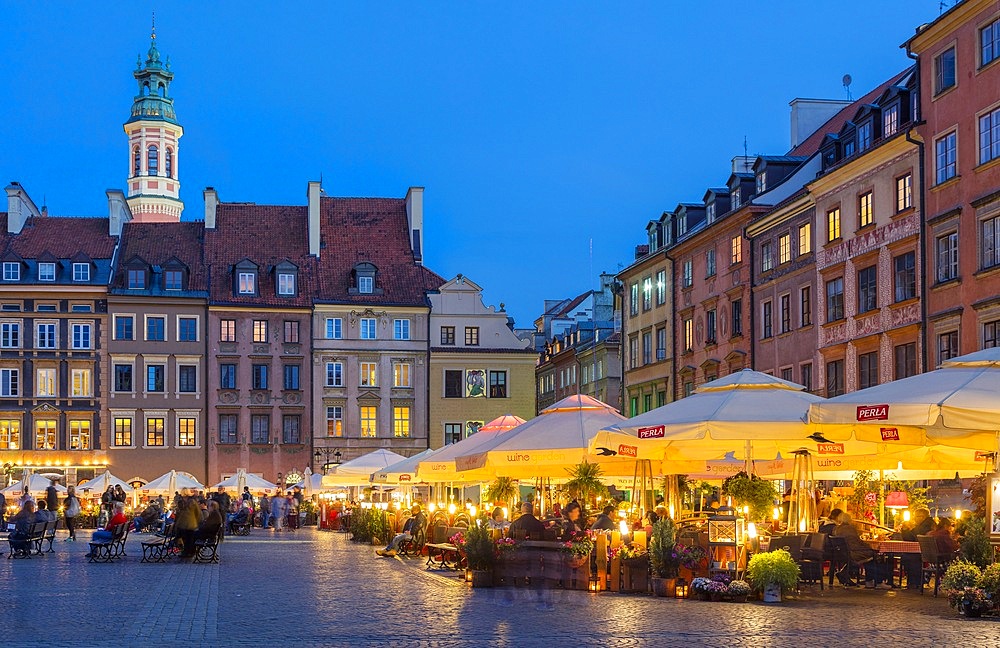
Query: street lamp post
pixel 325 454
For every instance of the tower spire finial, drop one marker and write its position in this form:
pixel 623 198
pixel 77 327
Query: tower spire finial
pixel 152 34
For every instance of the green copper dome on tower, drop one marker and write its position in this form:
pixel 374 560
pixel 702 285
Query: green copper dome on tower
pixel 153 101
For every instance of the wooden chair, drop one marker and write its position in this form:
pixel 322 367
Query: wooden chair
pixel 934 562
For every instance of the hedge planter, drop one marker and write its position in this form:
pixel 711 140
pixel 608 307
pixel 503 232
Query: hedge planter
pixel 663 586
pixel 482 578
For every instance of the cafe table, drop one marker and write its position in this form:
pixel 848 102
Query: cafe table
pixel 891 550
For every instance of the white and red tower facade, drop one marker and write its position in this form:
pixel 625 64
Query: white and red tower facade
pixel 154 144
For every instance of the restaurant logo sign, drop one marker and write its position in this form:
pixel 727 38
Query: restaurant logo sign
pixel 628 451
pixel 873 412
pixel 404 477
pixel 983 455
pixel 655 432
pixel 830 448
pixel 890 434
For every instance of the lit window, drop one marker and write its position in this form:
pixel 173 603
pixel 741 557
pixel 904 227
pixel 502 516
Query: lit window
pixel 633 306
pixel 260 331
pixel 661 287
pixel 688 334
pixel 187 432
pixel 401 422
pixel 865 215
pixel 784 248
pixel 369 421
pixel 805 238
pixel 647 293
pixel 80 383
pixel 736 250
pixel 368 374
pixel 79 435
pixel 904 192
pixel 154 432
pixel 890 120
pixel 335 421
pixel 45 382
pixel 123 431
pixel 227 330
pixel 45 435
pixel 401 374
pixel 833 224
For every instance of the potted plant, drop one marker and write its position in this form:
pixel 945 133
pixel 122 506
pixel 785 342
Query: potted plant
pixel 699 587
pixel 970 601
pixel 585 482
pixel 961 574
pixel 503 490
pixel 576 552
pixel 739 590
pixel 717 587
pixel 752 491
pixel 663 557
pixel 990 582
pixel 773 573
pixel 480 555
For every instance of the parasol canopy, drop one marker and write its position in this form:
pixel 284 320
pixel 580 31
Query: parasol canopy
pixel 100 483
pixel 172 482
pixel 242 478
pixel 36 484
pixel 358 471
pixel 403 472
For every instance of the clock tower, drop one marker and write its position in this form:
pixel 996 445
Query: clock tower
pixel 153 143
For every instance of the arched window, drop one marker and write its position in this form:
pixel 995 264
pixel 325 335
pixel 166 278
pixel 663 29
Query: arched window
pixel 136 161
pixel 162 90
pixel 168 162
pixel 152 161
pixel 145 89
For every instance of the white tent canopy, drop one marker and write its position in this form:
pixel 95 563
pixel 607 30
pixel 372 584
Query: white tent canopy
pixel 358 471
pixel 955 405
pixel 36 484
pixel 171 482
pixel 242 478
pixel 440 465
pixel 315 484
pixel 401 472
pixel 99 484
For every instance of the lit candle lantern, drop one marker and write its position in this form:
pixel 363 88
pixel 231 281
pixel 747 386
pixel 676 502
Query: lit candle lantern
pixel 616 539
pixel 639 538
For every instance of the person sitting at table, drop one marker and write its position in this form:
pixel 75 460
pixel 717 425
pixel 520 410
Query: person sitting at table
pixel 410 529
pixel 603 522
pixel 496 521
pixel 947 544
pixel 526 524
pixel 571 522
pixel 831 522
pixel 239 518
pixel 22 521
pixel 148 517
pixel 922 524
pixel 43 514
pixel 860 552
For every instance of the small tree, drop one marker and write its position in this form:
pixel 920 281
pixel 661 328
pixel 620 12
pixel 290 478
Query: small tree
pixel 585 482
pixel 502 489
pixel 661 548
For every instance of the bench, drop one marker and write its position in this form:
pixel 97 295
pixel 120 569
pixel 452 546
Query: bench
pixel 160 548
pixel 415 544
pixel 206 550
pixel 113 547
pixel 447 553
pixel 33 540
pixel 48 535
pixel 240 528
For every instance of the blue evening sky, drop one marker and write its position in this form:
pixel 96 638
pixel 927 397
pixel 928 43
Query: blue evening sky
pixel 535 127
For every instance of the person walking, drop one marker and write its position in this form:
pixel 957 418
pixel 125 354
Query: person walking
pixel 3 511
pixel 278 512
pixel 52 496
pixel 71 510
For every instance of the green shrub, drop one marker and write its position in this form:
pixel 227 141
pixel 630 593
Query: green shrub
pixel 773 568
pixel 961 574
pixel 990 580
pixel 480 552
pixel 661 548
pixel 976 546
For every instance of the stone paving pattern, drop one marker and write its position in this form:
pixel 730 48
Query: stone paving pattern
pixel 312 588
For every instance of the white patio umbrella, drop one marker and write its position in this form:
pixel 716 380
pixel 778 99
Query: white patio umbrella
pixel 955 405
pixel 36 484
pixel 306 483
pixel 315 483
pixel 172 482
pixel 100 483
pixel 242 478
pixel 440 467
pixel 402 472
pixel 358 471
pixel 502 423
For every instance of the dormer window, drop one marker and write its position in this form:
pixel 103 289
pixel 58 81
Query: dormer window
pixel 761 182
pixel 849 147
pixel 11 271
pixel 890 120
pixel 173 279
pixel 286 284
pixel 865 136
pixel 363 280
pixel 46 271
pixel 81 272
pixel 710 212
pixel 136 278
pixel 734 197
pixel 245 275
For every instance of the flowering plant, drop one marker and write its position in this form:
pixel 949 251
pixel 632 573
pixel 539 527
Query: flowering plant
pixel 973 598
pixel 700 584
pixel 716 587
pixel 688 557
pixel 505 546
pixel 458 539
pixel 626 552
pixel 739 588
pixel 580 546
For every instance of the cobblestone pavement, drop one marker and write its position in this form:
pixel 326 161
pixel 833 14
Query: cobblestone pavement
pixel 310 588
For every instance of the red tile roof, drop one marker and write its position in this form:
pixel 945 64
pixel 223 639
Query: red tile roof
pixel 811 144
pixel 63 237
pixel 372 230
pixel 266 235
pixel 157 243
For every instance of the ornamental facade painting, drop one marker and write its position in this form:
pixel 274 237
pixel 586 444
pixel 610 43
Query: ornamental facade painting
pixel 475 383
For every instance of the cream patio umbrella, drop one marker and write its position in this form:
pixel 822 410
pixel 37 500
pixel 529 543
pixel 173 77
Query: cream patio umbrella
pixel 358 471
pixel 956 405
pixel 36 485
pixel 172 482
pixel 242 478
pixel 100 483
pixel 502 423
pixel 549 444
pixel 752 415
pixel 402 472
pixel 440 467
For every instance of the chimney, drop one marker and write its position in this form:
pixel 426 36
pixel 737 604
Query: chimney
pixel 314 192
pixel 211 205
pixel 641 251
pixel 415 220
pixel 19 207
pixel 118 212
pixel 808 115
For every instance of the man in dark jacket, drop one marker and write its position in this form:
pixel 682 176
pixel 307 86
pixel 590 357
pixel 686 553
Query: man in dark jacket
pixel 604 521
pixel 52 497
pixel 410 529
pixel 526 524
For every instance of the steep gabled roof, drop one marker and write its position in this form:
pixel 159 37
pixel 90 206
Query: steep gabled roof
pixel 159 243
pixel 375 231
pixel 267 235
pixel 64 237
